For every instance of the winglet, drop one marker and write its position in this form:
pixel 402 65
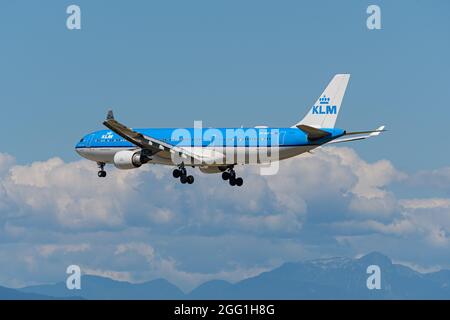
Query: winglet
pixel 110 115
pixel 377 132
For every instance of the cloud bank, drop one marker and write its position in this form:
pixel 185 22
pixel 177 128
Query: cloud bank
pixel 142 224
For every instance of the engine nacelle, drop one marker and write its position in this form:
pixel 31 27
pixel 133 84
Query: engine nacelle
pixel 126 160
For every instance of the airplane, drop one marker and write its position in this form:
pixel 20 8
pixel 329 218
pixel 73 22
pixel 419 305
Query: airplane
pixel 216 152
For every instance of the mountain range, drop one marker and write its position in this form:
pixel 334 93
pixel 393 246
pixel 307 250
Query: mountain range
pixel 332 278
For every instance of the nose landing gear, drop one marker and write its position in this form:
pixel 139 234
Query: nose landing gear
pixel 102 172
pixel 230 175
pixel 182 174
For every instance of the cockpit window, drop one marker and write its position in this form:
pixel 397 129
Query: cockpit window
pixel 82 139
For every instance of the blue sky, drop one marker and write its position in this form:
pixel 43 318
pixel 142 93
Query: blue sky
pixel 228 63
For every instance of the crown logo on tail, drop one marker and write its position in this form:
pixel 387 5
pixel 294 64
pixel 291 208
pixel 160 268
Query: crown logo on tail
pixel 324 100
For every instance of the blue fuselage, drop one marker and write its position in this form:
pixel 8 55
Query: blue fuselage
pixel 207 137
pixel 226 146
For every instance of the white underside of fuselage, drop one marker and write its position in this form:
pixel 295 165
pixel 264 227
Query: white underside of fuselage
pixel 229 155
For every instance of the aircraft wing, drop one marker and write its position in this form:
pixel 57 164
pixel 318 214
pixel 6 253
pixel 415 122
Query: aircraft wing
pixel 145 142
pixel 359 135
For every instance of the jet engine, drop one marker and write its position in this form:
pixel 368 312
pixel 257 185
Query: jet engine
pixel 128 159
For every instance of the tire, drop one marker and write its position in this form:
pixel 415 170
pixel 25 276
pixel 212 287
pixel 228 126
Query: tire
pixel 239 182
pixel 102 174
pixel 183 179
pixel 190 179
pixel 176 173
pixel 225 176
pixel 232 182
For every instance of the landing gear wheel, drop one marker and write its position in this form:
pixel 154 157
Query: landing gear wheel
pixel 239 182
pixel 101 174
pixel 181 173
pixel 176 173
pixel 232 181
pixel 225 175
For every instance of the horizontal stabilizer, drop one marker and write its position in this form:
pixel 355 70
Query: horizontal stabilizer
pixel 359 135
pixel 313 133
pixel 373 132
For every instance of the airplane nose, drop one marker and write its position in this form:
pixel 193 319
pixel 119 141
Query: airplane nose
pixel 79 147
pixel 81 151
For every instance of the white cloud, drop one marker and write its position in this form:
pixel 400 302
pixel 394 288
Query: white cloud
pixel 285 222
pixel 430 203
pixel 143 249
pixel 377 206
pixel 6 162
pixel 168 268
pixel 50 249
pixel 111 274
pixel 161 215
pixel 70 194
pixel 329 200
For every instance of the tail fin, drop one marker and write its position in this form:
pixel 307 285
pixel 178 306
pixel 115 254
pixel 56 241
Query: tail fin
pixel 326 109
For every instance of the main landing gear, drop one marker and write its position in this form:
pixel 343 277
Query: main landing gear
pixel 102 172
pixel 230 175
pixel 182 174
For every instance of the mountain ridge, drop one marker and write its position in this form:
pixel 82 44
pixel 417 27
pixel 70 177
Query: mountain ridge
pixel 327 278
